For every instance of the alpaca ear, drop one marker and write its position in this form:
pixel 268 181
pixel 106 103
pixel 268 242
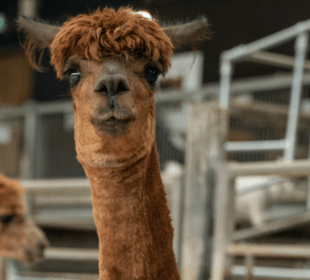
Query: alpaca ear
pixel 189 33
pixel 38 36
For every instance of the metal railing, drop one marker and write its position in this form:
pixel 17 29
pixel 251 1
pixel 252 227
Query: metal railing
pixel 255 52
pixel 224 234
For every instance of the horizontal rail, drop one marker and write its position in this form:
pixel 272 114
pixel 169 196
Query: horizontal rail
pixel 291 168
pixel 267 250
pixel 265 145
pixel 272 226
pixel 71 254
pixel 271 272
pixel 266 184
pixel 76 223
pixel 253 84
pixel 33 275
pixel 275 59
pixel 81 200
pixel 55 185
pixel 270 41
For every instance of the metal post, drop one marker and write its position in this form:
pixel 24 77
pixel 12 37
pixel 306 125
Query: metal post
pixel 249 264
pixel 28 166
pixel 308 193
pixel 301 46
pixel 221 225
pixel 226 74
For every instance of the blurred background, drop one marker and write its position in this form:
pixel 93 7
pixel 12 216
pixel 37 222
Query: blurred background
pixel 37 145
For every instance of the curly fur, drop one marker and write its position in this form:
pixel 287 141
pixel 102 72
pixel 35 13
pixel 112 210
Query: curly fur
pixel 107 31
pixel 20 239
pixel 11 194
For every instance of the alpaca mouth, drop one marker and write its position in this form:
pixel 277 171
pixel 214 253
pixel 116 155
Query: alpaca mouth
pixel 33 256
pixel 112 126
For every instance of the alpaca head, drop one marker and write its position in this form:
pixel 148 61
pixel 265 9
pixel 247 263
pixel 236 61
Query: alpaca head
pixel 112 60
pixel 19 237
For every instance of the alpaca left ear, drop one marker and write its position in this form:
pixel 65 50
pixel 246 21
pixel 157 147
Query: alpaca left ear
pixel 38 36
pixel 189 33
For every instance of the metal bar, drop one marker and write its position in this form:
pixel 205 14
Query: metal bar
pixel 301 46
pixel 71 254
pixel 273 40
pixel 273 226
pixel 266 145
pixel 221 222
pixel 272 272
pixel 308 193
pixel 28 168
pixel 262 185
pixel 270 250
pixel 293 168
pixel 39 275
pixel 225 80
pixel 274 59
pixel 249 263
pixel 48 184
pixel 70 222
pixel 55 107
pixel 12 112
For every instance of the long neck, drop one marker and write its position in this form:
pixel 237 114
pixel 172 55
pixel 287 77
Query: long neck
pixel 133 221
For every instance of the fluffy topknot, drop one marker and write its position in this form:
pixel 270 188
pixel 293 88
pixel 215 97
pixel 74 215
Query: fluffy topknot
pixel 107 31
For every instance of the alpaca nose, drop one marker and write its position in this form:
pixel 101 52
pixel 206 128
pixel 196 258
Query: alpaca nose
pixel 111 84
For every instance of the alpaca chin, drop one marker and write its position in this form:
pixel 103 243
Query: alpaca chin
pixel 99 149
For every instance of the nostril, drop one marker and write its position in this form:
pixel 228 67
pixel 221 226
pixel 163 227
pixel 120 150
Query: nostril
pixel 103 88
pixel 121 87
pixel 42 245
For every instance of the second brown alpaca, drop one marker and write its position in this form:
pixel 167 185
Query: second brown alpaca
pixel 19 237
pixel 112 60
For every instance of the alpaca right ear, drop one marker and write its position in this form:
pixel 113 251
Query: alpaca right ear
pixel 38 36
pixel 189 33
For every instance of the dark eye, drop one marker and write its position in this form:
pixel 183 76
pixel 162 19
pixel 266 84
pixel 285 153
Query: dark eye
pixel 74 77
pixel 6 219
pixel 151 74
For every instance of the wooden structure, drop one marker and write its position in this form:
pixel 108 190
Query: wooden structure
pixel 205 137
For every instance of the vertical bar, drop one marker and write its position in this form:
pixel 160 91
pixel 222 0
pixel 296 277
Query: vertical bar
pixel 229 265
pixel 221 221
pixel 176 212
pixel 28 167
pixel 308 194
pixel 249 264
pixel 301 46
pixel 226 74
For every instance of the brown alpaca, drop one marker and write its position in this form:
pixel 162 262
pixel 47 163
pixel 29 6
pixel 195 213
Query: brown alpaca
pixel 112 59
pixel 19 237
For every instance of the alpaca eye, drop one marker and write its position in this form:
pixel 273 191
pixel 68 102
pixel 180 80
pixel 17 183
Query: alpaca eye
pixel 6 219
pixel 151 74
pixel 74 78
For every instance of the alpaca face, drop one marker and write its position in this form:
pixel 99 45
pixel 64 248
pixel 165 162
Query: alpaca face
pixel 19 237
pixel 112 60
pixel 113 93
pixel 114 107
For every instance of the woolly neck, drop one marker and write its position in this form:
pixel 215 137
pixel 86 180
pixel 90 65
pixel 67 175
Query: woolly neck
pixel 133 221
